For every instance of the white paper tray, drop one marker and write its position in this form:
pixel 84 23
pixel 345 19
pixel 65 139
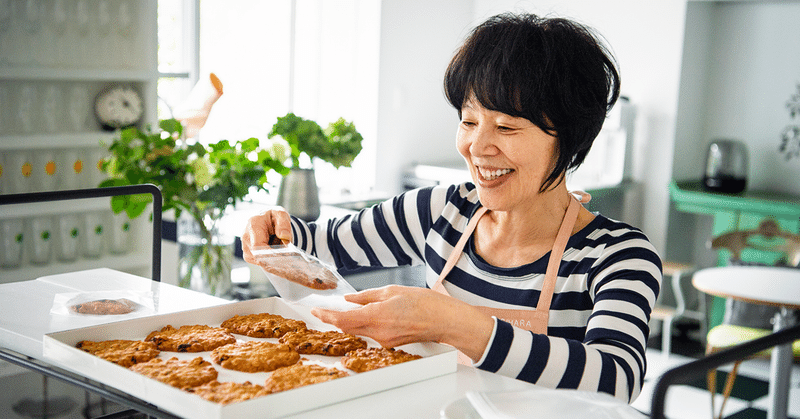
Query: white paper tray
pixel 59 348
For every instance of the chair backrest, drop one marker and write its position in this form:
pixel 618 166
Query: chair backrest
pixel 27 198
pixel 768 237
pixel 767 240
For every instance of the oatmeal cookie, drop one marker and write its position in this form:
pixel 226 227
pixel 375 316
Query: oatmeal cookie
pixel 362 360
pixel 120 352
pixel 299 375
pixel 197 338
pixel 104 307
pixel 230 392
pixel 295 268
pixel 254 356
pixel 331 343
pixel 177 373
pixel 262 325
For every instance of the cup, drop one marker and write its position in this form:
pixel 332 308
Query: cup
pixel 5 105
pixel 52 106
pixel 69 237
pixel 94 228
pixel 45 170
pixel 3 174
pixel 93 167
pixel 18 172
pixel 71 169
pixel 12 240
pixel 78 111
pixel 120 234
pixel 26 108
pixel 41 243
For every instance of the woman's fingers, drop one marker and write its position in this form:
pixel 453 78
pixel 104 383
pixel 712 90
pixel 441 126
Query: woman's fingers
pixel 274 222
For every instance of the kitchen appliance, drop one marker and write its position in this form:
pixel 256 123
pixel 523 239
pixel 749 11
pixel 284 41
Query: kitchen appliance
pixel 726 166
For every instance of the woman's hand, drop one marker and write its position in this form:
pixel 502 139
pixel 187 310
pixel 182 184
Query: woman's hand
pixel 396 315
pixel 274 222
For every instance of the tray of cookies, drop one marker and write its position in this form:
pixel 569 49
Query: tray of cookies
pixel 263 358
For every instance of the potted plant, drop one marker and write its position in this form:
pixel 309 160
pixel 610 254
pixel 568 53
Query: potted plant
pixel 790 137
pixel 199 182
pixel 338 144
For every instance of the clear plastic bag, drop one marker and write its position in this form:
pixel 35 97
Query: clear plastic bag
pixel 302 278
pixel 118 303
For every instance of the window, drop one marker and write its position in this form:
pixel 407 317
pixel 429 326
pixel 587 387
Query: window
pixel 315 58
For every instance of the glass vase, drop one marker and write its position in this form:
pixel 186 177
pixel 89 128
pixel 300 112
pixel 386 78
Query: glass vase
pixel 205 257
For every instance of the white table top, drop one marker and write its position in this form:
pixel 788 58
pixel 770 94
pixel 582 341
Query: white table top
pixel 26 318
pixel 766 285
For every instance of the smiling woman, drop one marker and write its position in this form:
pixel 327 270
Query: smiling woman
pixel 521 278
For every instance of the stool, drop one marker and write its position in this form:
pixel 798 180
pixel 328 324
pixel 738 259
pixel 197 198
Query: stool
pixel 668 314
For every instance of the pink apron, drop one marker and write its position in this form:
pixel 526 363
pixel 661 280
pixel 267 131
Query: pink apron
pixel 533 320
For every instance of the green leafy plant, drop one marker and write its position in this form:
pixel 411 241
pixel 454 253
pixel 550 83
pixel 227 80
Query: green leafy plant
pixel 202 180
pixel 790 136
pixel 338 144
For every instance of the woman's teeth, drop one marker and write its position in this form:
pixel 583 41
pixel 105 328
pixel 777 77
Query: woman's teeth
pixel 493 174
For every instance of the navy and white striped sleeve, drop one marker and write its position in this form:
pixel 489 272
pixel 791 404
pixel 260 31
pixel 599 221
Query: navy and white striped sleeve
pixel 388 234
pixel 623 284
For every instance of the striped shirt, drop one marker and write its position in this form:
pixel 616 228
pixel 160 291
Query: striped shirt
pixel 608 281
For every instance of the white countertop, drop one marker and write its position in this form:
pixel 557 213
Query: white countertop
pixel 26 318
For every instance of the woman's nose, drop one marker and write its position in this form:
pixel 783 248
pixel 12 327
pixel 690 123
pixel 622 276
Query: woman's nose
pixel 482 142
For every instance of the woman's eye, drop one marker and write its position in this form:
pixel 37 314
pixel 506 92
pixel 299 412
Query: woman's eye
pixel 467 123
pixel 504 128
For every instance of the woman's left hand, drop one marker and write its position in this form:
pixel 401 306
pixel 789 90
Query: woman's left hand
pixel 396 315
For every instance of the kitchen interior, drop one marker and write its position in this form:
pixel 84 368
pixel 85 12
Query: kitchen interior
pixel 694 73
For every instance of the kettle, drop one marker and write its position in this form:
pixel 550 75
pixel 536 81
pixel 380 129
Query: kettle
pixel 726 167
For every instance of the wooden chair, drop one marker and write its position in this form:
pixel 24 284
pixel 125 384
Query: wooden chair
pixel 784 247
pixel 666 312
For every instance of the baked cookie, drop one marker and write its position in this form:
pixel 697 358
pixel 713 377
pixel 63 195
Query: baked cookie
pixel 315 342
pixel 121 352
pixel 254 356
pixel 262 325
pixel 104 307
pixel 177 373
pixel 295 268
pixel 299 375
pixel 197 338
pixel 230 392
pixel 362 360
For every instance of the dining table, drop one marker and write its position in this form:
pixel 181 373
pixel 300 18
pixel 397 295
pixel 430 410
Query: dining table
pixel 29 316
pixel 765 285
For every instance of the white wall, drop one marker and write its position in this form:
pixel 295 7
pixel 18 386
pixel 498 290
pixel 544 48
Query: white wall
pixel 415 122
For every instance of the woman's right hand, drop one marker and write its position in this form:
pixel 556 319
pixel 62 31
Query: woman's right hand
pixel 273 223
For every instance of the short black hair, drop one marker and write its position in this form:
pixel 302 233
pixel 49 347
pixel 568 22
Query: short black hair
pixel 553 72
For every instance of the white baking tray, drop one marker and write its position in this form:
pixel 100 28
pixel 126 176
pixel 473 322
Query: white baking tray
pixel 59 348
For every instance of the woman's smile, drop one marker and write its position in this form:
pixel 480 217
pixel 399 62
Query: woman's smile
pixel 489 174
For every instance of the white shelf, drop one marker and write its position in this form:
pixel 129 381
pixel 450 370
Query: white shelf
pixel 48 141
pixel 76 74
pixel 140 260
pixel 55 208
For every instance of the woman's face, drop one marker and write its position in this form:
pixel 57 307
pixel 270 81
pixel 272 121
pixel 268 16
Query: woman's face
pixel 508 157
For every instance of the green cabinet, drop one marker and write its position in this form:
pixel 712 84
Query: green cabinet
pixel 742 211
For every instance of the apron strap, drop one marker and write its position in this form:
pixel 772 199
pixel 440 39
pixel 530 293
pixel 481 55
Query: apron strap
pixel 564 233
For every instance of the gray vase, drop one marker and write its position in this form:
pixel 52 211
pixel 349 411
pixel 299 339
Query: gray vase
pixel 299 195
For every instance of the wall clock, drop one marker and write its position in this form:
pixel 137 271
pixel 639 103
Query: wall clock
pixel 118 107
